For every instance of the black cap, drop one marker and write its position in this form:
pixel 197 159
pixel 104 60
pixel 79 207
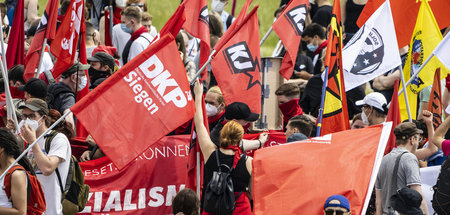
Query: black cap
pixel 239 110
pixel 35 87
pixel 407 201
pixel 104 58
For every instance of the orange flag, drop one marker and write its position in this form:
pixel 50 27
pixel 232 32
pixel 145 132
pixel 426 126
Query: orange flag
pixel 237 65
pixel 289 28
pixel 405 13
pixel 435 102
pixel 335 113
pixel 298 177
pixel 394 116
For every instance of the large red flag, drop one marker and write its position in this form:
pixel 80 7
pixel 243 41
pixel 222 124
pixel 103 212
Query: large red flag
pixel 64 47
pixel 16 44
pixel 81 131
pixel 300 176
pixel 289 28
pixel 175 23
pixel 405 13
pixel 435 102
pixel 197 24
pixel 394 116
pixel 153 88
pixel 237 65
pixel 335 114
pixel 46 29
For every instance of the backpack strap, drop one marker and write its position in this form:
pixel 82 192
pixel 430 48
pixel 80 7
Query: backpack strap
pixel 7 182
pixel 217 159
pixel 48 140
pixel 395 172
pixel 229 20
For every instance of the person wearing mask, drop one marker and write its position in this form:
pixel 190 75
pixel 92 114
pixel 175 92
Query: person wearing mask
pixel 215 106
pixel 101 66
pixel 218 6
pixel 357 122
pixel 288 96
pixel 314 36
pixel 374 108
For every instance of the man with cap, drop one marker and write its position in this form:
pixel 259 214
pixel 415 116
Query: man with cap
pixel 407 202
pixel 102 66
pixel 407 173
pixel 35 123
pixel 337 205
pixel 374 108
pixel 34 88
pixel 239 112
pixel 62 95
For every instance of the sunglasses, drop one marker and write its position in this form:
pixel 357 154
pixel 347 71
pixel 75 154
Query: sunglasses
pixel 334 212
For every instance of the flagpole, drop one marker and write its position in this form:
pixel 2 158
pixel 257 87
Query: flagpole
pixel 266 36
pixel 406 96
pixel 198 174
pixel 11 111
pixel 262 123
pixel 111 15
pixel 322 101
pixel 203 67
pixel 34 143
pixel 416 74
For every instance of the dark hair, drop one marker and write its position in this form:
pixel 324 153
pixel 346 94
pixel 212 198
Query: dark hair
pixel 64 6
pixel 302 126
pixel 63 127
pixel 16 73
pixel 179 39
pixel 314 29
pixel 71 70
pixel 307 119
pixel 8 141
pixel 215 24
pixel 288 89
pixel 187 202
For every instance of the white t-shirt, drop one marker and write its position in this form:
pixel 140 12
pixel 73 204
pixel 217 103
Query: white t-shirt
pixel 59 147
pixel 4 201
pixel 119 40
pixel 224 17
pixel 139 45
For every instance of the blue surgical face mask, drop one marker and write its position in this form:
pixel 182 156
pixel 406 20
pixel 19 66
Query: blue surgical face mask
pixel 312 47
pixel 124 28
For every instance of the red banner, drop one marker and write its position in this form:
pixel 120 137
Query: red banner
pixel 275 138
pixel 147 186
pixel 139 104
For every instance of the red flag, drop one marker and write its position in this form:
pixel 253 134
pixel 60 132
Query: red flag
pixel 153 88
pixel 405 13
pixel 116 20
pixel 335 114
pixel 175 23
pixel 46 29
pixel 237 65
pixel 394 116
pixel 435 102
pixel 16 49
pixel 289 28
pixel 65 45
pixel 329 165
pixel 197 25
pixel 81 131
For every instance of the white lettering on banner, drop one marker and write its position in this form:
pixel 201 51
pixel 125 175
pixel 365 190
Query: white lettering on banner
pixel 157 197
pixel 75 23
pixel 141 95
pixel 154 70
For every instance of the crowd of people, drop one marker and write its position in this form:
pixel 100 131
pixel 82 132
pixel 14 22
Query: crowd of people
pixel 38 103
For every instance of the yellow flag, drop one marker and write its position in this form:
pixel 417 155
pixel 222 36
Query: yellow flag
pixel 425 38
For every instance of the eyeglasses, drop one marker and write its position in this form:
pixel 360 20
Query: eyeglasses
pixel 418 138
pixel 334 212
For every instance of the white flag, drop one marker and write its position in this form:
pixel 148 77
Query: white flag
pixel 372 51
pixel 442 51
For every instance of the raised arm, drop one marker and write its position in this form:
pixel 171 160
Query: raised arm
pixel 206 145
pixel 438 136
pixel 424 153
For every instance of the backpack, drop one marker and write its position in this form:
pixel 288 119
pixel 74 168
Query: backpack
pixel 53 92
pixel 219 194
pixel 441 196
pixel 35 194
pixel 74 193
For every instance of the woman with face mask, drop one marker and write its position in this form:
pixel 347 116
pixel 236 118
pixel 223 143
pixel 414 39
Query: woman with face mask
pixel 215 106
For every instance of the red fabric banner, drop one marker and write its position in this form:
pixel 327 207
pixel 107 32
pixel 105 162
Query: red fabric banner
pixel 81 131
pixel 275 138
pixel 197 25
pixel 404 13
pixel 147 186
pixel 46 29
pixel 64 47
pixel 300 176
pixel 237 65
pixel 289 28
pixel 394 116
pixel 138 103
pixel 435 102
pixel 174 24
pixel 16 47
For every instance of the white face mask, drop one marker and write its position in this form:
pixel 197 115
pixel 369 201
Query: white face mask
pixel 217 6
pixel 83 83
pixel 121 3
pixel 211 110
pixel 29 122
pixel 364 118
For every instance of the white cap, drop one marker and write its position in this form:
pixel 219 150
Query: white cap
pixel 375 99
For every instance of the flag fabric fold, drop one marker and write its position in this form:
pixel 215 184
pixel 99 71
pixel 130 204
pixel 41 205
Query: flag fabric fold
pixel 435 102
pixel 80 130
pixel 153 88
pixel 197 24
pixel 289 28
pixel 16 46
pixel 335 114
pixel 175 23
pixel 237 65
pixel 372 51
pixel 394 117
pixel 442 51
pixel 45 29
pixel 424 40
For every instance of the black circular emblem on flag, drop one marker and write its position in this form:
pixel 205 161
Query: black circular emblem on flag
pixel 371 54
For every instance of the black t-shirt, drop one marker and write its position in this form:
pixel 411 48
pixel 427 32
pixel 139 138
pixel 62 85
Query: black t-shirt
pixel 323 15
pixel 303 63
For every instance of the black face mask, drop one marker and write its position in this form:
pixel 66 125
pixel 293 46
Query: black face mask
pixel 97 74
